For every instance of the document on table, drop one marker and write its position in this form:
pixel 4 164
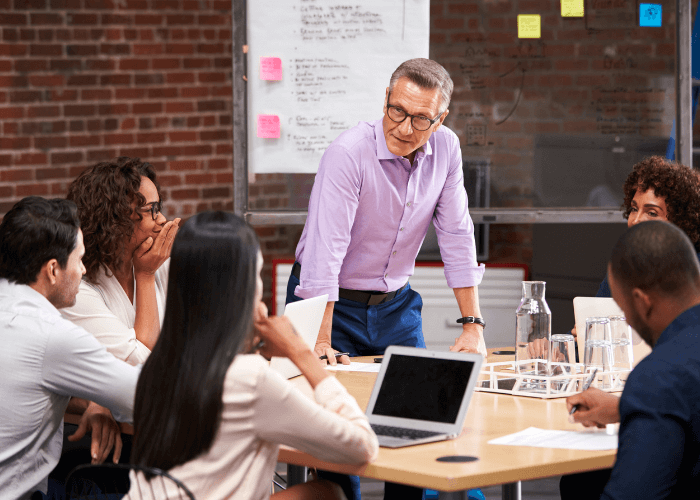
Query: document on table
pixel 356 367
pixel 593 440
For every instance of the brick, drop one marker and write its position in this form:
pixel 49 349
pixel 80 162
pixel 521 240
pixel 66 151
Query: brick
pixel 115 79
pixel 100 64
pixel 209 48
pixel 129 93
pixel 11 112
pixel 197 150
pixel 592 80
pixel 79 110
pixel 65 65
pixel 163 93
pixel 143 19
pixel 100 4
pixel 111 18
pixel 213 20
pixel 217 192
pixel 147 108
pixel 81 50
pixel 182 165
pixel 81 19
pixel 463 8
pixel 211 77
pixel 5 65
pixel 43 127
pixel 182 136
pixel 149 79
pixel 224 178
pixel 55 142
pixel 133 64
pixel 201 178
pixel 52 173
pixel 16 175
pixel 194 92
pixel 39 19
pixel 185 194
pixel 115 49
pixel 25 159
pixel 94 156
pixel 178 78
pixel 165 64
pixel 127 124
pixel 10 128
pixel 196 63
pixel 83 141
pixel 176 19
pixel 215 135
pixel 96 95
pixel 113 109
pixel 150 138
pixel 14 81
pixel 13 49
pixel 182 49
pixel 114 139
pixel 13 19
pixel 25 96
pixel 23 190
pixel 151 49
pixel 571 65
pixel 47 80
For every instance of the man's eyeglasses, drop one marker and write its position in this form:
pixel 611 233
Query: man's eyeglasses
pixel 154 209
pixel 420 123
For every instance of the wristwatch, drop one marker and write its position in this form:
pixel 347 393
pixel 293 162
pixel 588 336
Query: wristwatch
pixel 472 319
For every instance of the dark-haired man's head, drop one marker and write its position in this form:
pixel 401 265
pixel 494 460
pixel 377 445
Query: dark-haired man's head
pixel 654 276
pixel 41 245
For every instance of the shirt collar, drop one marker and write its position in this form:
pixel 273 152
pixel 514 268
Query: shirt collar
pixel 383 152
pixel 25 292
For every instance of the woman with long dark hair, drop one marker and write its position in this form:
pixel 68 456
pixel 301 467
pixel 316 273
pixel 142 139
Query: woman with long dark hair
pixel 127 243
pixel 214 415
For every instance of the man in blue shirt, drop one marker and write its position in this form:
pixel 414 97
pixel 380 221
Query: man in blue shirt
pixel 654 277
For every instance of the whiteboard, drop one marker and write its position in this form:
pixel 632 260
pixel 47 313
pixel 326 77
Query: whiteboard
pixel 337 58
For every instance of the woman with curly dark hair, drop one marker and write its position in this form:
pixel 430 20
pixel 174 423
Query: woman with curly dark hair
pixel 658 189
pixel 127 246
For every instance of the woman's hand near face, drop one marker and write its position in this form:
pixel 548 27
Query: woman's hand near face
pixel 150 255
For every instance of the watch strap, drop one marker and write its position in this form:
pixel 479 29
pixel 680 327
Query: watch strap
pixel 472 319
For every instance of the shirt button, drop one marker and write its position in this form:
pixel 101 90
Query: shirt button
pixel 394 253
pixel 408 204
pixel 401 229
pixel 386 275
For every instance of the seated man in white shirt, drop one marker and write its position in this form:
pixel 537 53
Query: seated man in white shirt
pixel 46 359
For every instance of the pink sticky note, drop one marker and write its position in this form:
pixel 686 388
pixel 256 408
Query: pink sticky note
pixel 270 68
pixel 269 126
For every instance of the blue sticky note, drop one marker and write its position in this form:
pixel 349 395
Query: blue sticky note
pixel 650 15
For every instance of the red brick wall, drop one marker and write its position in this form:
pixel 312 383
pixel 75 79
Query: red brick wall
pixel 87 80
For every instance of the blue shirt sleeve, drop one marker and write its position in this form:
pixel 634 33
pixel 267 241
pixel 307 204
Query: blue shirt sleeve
pixel 604 289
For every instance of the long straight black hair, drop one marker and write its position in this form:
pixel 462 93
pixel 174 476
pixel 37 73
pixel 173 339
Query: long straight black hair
pixel 208 318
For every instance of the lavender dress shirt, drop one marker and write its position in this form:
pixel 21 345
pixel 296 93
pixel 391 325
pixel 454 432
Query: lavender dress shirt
pixel 370 210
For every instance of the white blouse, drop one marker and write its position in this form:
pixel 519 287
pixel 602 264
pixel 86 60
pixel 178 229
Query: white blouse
pixel 105 310
pixel 262 410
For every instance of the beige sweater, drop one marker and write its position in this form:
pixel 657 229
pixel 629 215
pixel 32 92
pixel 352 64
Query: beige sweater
pixel 261 411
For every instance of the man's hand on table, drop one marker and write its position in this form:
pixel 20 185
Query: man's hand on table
pixel 105 433
pixel 596 408
pixel 471 340
pixel 324 348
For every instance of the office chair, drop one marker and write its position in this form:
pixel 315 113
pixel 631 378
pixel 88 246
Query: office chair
pixel 113 482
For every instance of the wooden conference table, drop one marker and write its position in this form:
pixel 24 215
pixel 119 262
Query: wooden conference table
pixel 489 416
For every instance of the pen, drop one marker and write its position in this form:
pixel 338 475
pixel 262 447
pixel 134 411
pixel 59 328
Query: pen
pixel 585 387
pixel 337 354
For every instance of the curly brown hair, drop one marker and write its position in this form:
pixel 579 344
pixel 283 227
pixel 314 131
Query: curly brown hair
pixel 104 194
pixel 677 184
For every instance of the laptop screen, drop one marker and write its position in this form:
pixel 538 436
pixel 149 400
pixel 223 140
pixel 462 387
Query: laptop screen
pixel 423 388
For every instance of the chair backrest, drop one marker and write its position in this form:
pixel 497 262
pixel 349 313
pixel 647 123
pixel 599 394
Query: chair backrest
pixel 124 481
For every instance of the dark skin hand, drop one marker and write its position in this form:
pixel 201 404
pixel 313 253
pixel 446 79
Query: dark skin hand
pixel 596 408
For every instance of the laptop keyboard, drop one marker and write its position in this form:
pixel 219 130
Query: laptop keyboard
pixel 402 433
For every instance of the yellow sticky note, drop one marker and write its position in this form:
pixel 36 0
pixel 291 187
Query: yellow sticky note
pixel 571 8
pixel 529 26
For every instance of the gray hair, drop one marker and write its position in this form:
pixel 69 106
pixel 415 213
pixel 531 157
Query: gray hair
pixel 426 74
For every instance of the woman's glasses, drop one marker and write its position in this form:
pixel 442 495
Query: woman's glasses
pixel 155 208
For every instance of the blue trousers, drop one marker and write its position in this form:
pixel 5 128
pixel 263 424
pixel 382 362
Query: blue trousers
pixel 364 330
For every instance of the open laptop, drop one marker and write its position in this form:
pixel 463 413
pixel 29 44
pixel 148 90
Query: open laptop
pixel 306 317
pixel 421 396
pixel 589 307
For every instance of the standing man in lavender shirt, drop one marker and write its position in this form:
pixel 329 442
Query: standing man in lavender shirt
pixel 377 189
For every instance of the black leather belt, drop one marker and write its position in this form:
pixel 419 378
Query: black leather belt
pixel 370 297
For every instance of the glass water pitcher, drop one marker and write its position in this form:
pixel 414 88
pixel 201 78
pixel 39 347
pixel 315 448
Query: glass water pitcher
pixel 533 331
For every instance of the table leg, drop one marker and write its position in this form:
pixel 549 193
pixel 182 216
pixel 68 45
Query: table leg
pixel 511 491
pixel 296 474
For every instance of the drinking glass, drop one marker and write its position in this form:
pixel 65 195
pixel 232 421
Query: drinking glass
pixel 563 359
pixel 621 345
pixel 598 350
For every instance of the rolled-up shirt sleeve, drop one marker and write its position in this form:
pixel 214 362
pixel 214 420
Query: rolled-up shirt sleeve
pixel 332 208
pixel 333 429
pixel 455 229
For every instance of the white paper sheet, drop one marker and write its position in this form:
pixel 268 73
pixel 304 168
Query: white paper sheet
pixel 356 367
pixel 593 440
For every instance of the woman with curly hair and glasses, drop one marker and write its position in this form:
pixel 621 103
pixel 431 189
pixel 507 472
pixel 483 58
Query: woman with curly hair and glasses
pixel 658 189
pixel 127 246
